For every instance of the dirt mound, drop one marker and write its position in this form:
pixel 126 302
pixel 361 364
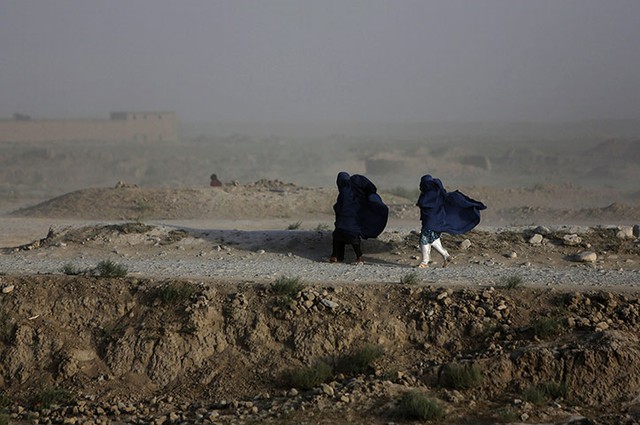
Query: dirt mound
pixel 261 199
pixel 138 349
pixel 543 204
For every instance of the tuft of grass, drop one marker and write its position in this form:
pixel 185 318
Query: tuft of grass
pixel 321 227
pixel 411 278
pixel 50 396
pixel 507 415
pixel 108 268
pixel 287 286
pixel 535 395
pixel 309 377
pixel 175 293
pixel 72 270
pixel 554 390
pixel 415 405
pixel 511 282
pixel 461 376
pixel 546 327
pixel 361 360
pixel 294 226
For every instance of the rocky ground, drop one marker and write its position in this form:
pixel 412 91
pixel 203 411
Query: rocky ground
pixel 225 311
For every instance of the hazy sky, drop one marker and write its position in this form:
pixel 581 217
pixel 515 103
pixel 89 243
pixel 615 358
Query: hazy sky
pixel 322 60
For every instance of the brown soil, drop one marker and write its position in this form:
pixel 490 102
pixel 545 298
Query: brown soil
pixel 130 342
pixel 154 350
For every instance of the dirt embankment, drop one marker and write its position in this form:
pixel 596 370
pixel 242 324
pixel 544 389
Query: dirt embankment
pixel 543 204
pixel 139 350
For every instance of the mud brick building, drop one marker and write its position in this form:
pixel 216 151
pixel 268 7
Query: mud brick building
pixel 122 126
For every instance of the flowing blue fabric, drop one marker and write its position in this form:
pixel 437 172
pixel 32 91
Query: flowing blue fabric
pixel 359 209
pixel 449 212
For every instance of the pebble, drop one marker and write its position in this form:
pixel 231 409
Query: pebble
pixel 536 239
pixel 585 257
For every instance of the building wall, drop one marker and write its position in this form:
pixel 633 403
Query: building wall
pixel 138 126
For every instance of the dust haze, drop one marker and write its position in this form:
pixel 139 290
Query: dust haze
pixel 484 93
pixel 525 156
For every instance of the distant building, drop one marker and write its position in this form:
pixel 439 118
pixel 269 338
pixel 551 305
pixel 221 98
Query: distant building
pixel 122 126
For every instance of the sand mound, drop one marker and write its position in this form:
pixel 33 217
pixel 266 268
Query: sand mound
pixel 269 199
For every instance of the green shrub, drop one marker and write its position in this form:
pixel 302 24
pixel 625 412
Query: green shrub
pixel 507 415
pixel 175 293
pixel 4 419
pixel 50 396
pixel 511 282
pixel 310 377
pixel 535 395
pixel 361 360
pixel 294 226
pixel 72 270
pixel 411 278
pixel 546 327
pixel 415 405
pixel 543 392
pixel 287 286
pixel 555 390
pixel 461 376
pixel 108 268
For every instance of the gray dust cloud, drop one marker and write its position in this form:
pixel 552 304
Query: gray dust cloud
pixel 491 92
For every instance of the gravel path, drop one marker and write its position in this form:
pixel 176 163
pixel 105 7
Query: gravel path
pixel 263 255
pixel 261 266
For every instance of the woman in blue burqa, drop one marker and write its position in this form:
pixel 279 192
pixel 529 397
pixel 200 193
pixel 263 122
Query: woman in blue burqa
pixel 360 213
pixel 443 212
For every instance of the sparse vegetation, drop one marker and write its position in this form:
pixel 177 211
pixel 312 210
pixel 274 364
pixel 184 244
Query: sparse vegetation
pixel 461 376
pixel 108 268
pixel 287 286
pixel 50 396
pixel 294 226
pixel 322 227
pixel 411 278
pixel 511 282
pixel 507 415
pixel 415 405
pixel 309 377
pixel 546 327
pixel 545 391
pixel 534 394
pixel 360 360
pixel 175 293
pixel 555 390
pixel 72 270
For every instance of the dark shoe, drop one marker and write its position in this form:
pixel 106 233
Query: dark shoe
pixel 333 259
pixel 359 261
pixel 447 261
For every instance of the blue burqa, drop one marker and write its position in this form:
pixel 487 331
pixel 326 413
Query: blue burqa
pixel 359 209
pixel 449 212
